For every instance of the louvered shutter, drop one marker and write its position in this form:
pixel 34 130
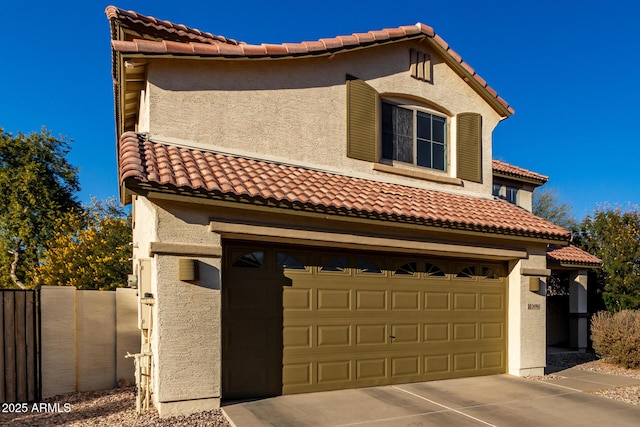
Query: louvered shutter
pixel 469 139
pixel 362 121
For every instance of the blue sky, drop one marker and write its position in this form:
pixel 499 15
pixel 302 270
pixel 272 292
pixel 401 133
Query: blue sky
pixel 567 67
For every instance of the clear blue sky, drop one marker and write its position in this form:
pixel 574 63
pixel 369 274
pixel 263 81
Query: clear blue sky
pixel 567 67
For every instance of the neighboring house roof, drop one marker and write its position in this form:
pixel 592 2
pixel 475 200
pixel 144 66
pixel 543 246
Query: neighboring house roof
pixel 511 171
pixel 144 163
pixel 572 255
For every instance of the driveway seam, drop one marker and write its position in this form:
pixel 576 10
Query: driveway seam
pixel 444 406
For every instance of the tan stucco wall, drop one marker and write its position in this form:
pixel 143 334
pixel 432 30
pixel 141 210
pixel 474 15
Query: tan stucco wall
pixel 527 317
pixel 96 368
pixel 294 110
pixel 185 337
pixel 85 335
pixel 127 335
pixel 58 340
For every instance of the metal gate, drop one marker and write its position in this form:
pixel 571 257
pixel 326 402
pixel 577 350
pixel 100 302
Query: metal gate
pixel 20 379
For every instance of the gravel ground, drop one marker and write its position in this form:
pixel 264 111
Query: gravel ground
pixel 117 407
pixel 103 408
pixel 590 362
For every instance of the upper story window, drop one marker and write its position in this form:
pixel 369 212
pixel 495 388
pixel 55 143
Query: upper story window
pixel 413 136
pixel 511 195
pixel 497 190
pixel 506 192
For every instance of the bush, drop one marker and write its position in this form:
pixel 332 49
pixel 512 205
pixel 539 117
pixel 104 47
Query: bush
pixel 617 336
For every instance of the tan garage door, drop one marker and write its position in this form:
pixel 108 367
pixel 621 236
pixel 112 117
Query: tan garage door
pixel 298 320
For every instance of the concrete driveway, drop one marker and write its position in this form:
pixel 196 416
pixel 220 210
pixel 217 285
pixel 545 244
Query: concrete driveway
pixel 500 400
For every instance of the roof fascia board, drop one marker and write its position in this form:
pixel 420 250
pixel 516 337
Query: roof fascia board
pixel 469 79
pixel 532 181
pixel 345 240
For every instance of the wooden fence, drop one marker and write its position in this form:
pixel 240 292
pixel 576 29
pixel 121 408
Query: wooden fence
pixel 20 379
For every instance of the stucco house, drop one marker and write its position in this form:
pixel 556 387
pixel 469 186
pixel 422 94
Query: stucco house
pixel 320 215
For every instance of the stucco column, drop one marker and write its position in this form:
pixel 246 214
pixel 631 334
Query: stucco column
pixel 527 316
pixel 578 321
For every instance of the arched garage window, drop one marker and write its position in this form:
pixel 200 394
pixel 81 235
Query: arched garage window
pixel 250 260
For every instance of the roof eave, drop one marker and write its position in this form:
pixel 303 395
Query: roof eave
pixel 514 177
pixel 134 186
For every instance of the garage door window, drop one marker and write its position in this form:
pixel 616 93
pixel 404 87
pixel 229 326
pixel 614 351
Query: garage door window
pixel 408 269
pixel 367 266
pixel 289 262
pixel 339 264
pixel 489 273
pixel 467 272
pixel 250 260
pixel 433 270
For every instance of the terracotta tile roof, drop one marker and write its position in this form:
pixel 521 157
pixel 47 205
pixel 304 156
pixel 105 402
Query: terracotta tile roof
pixel 505 169
pixel 169 29
pixel 208 45
pixel 572 255
pixel 143 162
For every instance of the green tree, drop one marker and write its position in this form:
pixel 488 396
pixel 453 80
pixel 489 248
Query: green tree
pixel 89 249
pixel 613 235
pixel 37 186
pixel 547 205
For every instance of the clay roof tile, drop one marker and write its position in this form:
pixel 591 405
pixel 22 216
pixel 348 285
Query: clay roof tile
pixel 240 177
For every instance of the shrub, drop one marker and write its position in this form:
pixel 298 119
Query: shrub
pixel 617 336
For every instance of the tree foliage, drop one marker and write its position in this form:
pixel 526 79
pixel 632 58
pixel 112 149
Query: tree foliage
pixel 37 186
pixel 89 249
pixel 613 235
pixel 547 205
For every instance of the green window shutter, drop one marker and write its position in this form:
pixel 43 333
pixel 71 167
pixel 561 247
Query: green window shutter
pixel 362 121
pixel 469 127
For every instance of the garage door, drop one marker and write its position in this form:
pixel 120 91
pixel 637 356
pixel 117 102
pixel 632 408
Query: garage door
pixel 297 320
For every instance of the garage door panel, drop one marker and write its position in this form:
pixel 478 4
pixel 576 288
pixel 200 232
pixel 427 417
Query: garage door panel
pixel 464 301
pixel 297 374
pixel 493 302
pixel 371 300
pixel 334 371
pixel 297 336
pixel 334 335
pixel 371 369
pixel 334 299
pixel 405 300
pixel 491 360
pixel 371 334
pixel 437 364
pixel 408 333
pixel 436 332
pixel 464 362
pixel 464 331
pixel 296 299
pixel 492 331
pixel 405 366
pixel 436 300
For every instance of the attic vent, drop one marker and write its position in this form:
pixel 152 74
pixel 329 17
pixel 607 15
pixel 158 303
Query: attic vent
pixel 420 65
